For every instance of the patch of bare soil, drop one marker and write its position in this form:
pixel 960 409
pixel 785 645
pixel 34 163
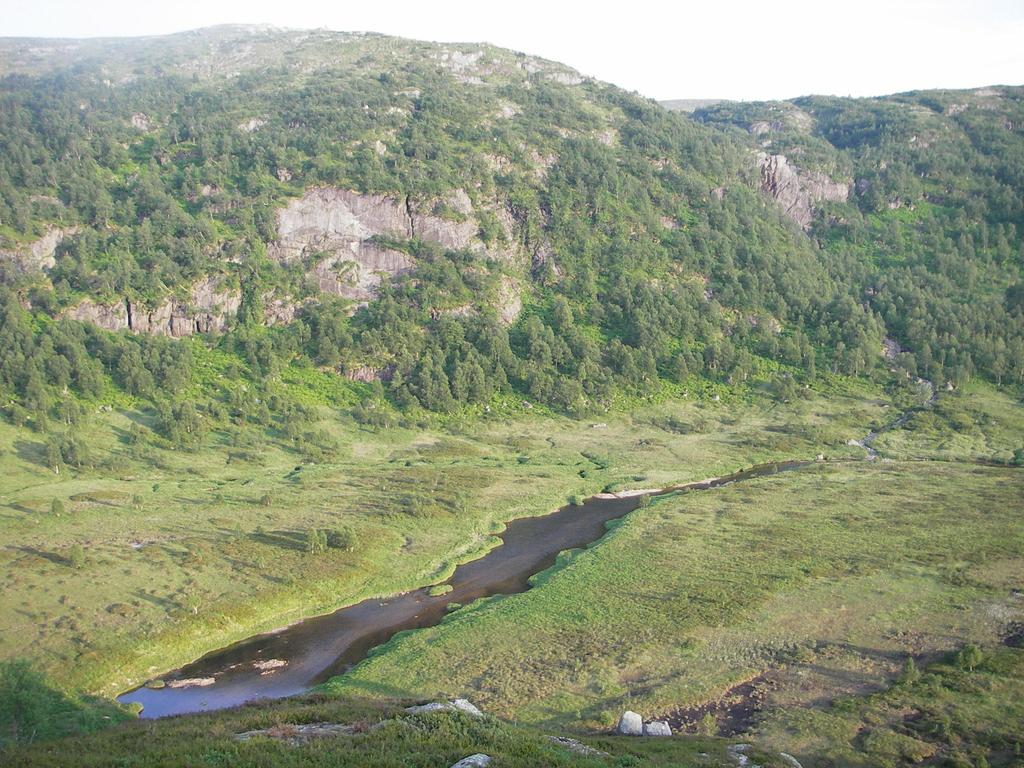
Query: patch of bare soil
pixel 1014 637
pixel 734 712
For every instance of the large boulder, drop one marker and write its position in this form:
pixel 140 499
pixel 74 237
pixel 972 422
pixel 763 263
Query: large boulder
pixel 630 724
pixel 479 760
pixel 657 728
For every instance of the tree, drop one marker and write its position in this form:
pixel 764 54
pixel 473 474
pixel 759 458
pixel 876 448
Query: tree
pixel 969 657
pixel 910 672
pixel 342 538
pixel 76 556
pixel 53 458
pixel 316 541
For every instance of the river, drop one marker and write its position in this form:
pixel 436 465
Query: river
pixel 300 656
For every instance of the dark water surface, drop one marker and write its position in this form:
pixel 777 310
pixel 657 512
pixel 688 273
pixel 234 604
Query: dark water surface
pixel 319 648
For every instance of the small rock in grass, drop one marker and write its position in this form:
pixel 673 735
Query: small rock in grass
pixel 630 724
pixel 735 752
pixel 790 759
pixel 479 760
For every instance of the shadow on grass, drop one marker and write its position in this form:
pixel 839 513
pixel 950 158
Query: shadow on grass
pixel 294 540
pixel 161 602
pixel 32 709
pixel 53 557
pixel 31 453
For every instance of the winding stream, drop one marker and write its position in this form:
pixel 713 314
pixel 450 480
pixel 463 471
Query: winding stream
pixel 319 648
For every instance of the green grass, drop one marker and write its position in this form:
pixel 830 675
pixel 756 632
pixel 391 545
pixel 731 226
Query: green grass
pixel 810 587
pixel 976 422
pixel 183 555
pixel 850 565
pixel 403 741
pixel 945 712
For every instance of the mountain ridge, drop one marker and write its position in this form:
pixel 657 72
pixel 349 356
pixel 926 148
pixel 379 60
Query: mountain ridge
pixel 240 164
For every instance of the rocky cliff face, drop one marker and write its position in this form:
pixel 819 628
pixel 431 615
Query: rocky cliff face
pixel 39 255
pixel 337 230
pixel 339 226
pixel 795 190
pixel 208 309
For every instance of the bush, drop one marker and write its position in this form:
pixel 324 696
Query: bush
pixel 342 538
pixel 76 556
pixel 316 541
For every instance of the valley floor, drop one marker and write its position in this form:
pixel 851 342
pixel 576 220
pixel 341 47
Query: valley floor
pixel 782 608
pixel 188 552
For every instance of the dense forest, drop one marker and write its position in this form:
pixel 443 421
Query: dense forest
pixel 932 231
pixel 636 241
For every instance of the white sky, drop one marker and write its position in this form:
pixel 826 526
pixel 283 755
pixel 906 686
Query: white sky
pixel 737 49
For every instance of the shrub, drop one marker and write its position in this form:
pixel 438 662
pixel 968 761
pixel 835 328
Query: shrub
pixel 316 541
pixel 76 556
pixel 342 538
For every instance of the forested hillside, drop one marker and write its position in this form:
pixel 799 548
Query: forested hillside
pixel 462 222
pixel 932 228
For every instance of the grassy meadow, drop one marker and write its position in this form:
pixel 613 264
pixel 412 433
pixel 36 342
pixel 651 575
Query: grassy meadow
pixel 804 586
pixel 183 552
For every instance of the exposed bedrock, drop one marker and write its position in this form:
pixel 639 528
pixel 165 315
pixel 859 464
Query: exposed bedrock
pixel 796 190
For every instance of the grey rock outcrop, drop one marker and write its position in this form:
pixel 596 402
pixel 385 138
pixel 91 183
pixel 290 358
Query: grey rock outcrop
pixel 301 733
pixel 112 317
pixel 795 190
pixel 209 308
pixel 367 374
pixel 479 760
pixel 510 300
pixel 657 728
pixel 630 724
pixel 341 226
pixel 38 256
pixel 279 311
